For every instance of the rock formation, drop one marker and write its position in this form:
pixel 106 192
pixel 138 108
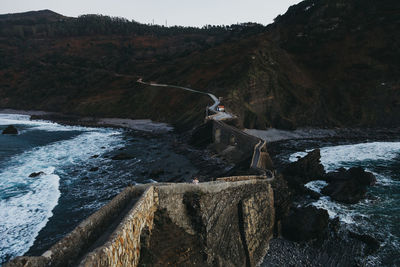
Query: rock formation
pixel 304 170
pixel 348 186
pixel 10 130
pixel 304 224
pixel 36 174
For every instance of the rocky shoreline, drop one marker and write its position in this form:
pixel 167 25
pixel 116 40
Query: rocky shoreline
pixel 307 236
pixel 210 166
pixel 339 245
pixel 332 245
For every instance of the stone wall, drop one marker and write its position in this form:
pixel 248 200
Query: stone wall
pixel 209 224
pixel 241 178
pixel 73 246
pixel 123 247
pixel 232 143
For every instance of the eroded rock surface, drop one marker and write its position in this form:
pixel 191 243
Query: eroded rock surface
pixel 348 186
pixel 304 224
pixel 304 170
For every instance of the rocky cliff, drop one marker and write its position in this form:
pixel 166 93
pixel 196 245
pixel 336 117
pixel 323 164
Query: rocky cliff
pixel 323 63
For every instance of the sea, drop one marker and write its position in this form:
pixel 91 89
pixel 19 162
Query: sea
pixel 379 214
pixel 79 176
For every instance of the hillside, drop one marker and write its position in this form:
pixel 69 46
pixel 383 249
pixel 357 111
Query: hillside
pixel 324 63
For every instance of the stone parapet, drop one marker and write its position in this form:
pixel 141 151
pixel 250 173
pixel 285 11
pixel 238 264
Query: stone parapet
pixel 217 223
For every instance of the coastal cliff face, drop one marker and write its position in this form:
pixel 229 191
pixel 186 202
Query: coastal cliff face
pixel 323 63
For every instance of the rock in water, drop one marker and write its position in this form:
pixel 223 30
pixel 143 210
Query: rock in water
pixel 371 242
pixel 308 168
pixel 348 186
pixel 304 170
pixel 122 156
pixel 10 130
pixel 305 224
pixel 36 174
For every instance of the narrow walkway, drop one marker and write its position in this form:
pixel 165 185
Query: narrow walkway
pixel 219 115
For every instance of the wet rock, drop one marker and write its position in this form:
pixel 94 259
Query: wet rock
pixel 371 242
pixel 94 169
pixel 156 173
pixel 36 174
pixel 122 156
pixel 305 224
pixel 308 168
pixel 10 130
pixel 304 170
pixel 312 194
pixel 334 225
pixel 282 200
pixel 348 186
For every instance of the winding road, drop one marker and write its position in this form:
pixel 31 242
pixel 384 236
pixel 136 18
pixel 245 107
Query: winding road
pixel 219 115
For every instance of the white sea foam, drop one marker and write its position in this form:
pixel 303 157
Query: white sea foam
pixel 26 204
pixel 346 156
pixel 334 156
pixel 16 119
pixel 316 185
pixel 335 209
pixel 22 216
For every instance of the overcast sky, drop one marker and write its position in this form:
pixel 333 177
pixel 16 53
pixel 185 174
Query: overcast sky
pixel 176 12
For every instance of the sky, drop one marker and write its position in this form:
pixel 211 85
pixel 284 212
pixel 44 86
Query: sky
pixel 173 12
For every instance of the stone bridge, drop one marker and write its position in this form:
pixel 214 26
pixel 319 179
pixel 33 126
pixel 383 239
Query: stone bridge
pixel 237 146
pixel 228 222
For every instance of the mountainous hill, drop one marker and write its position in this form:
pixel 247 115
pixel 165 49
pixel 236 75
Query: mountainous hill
pixel 324 63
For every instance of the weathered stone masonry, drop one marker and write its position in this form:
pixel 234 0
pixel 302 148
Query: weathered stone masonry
pixel 233 220
pixel 123 247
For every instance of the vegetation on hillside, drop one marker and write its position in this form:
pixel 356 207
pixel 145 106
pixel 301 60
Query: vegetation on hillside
pixel 324 63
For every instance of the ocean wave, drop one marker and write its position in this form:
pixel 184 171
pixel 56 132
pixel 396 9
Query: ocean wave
pixel 333 157
pixel 22 216
pixel 316 186
pixel 16 119
pixel 364 154
pixel 26 203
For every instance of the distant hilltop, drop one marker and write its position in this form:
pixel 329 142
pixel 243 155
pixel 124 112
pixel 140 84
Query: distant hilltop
pixel 325 63
pixel 33 15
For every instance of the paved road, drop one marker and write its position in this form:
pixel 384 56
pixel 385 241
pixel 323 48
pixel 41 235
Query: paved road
pixel 219 115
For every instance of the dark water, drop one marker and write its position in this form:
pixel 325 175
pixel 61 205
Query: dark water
pixel 379 214
pixel 79 177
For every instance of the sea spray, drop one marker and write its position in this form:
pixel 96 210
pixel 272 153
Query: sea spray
pixel 26 203
pixel 378 214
